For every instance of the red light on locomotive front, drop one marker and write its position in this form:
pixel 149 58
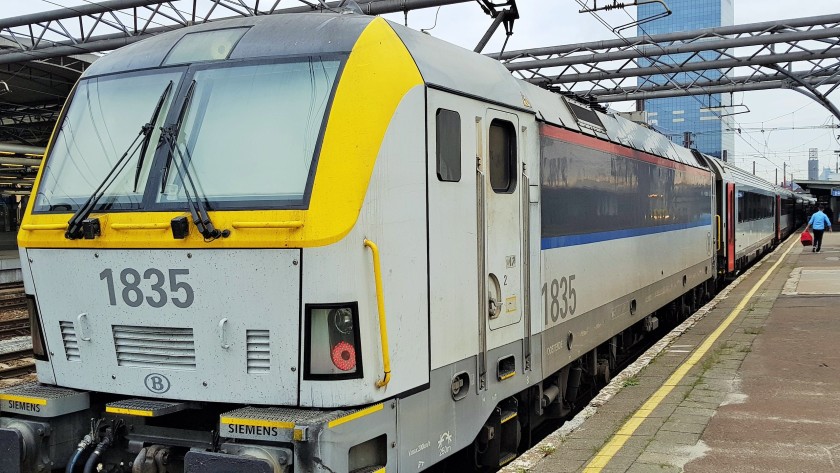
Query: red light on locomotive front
pixel 344 356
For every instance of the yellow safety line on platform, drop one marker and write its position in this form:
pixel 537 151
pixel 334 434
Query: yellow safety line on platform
pixel 618 440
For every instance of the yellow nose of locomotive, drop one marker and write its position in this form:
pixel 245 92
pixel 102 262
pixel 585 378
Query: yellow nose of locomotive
pixel 364 98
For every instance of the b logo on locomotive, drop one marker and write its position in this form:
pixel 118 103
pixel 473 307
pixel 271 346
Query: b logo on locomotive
pixel 157 383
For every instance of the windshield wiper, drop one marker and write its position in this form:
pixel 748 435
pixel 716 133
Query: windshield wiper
pixel 76 222
pixel 171 133
pixel 196 203
pixel 147 128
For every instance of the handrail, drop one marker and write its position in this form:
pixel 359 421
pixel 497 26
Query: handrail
pixel 720 232
pixel 380 304
pixel 285 224
pixel 43 226
pixel 140 226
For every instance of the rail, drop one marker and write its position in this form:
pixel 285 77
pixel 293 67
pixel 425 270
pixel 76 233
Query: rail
pixel 15 354
pixel 14 327
pixel 12 297
pixel 15 371
pixel 380 304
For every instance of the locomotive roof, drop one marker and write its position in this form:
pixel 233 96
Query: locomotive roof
pixel 442 65
pixel 267 36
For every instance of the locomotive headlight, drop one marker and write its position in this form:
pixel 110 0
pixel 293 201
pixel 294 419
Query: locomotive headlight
pixel 331 336
pixel 39 347
pixel 342 319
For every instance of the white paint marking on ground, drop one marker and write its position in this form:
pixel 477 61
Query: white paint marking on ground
pixel 735 396
pixel 689 453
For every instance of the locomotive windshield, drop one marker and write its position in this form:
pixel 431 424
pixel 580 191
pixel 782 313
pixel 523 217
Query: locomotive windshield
pixel 249 134
pixel 102 121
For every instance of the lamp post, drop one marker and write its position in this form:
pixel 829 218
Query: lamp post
pixel 784 174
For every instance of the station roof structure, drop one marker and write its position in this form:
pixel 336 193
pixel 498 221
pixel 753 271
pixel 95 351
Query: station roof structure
pixel 43 54
pixel 820 188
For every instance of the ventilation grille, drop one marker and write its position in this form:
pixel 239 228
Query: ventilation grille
pixel 259 351
pixel 154 347
pixel 71 343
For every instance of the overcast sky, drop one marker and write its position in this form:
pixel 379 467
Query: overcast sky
pixel 780 128
pixel 785 116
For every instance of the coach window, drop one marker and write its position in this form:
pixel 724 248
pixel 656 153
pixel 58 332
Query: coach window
pixel 448 148
pixel 502 156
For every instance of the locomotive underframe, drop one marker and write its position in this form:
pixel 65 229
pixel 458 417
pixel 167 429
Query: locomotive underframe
pixel 426 435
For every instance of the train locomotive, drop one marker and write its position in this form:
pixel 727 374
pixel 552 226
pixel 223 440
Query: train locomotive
pixel 329 243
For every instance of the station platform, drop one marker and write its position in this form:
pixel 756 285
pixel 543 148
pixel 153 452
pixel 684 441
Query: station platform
pixel 10 266
pixel 749 383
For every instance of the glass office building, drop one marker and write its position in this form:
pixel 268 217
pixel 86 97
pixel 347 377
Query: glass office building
pixel 696 118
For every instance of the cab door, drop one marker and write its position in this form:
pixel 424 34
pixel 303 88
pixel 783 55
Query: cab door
pixel 500 163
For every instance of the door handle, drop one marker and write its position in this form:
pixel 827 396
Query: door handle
pixel 222 334
pixel 81 321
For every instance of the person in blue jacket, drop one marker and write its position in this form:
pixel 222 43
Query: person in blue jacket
pixel 819 222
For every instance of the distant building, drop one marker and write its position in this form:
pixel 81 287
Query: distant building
pixel 813 164
pixel 827 175
pixel 693 121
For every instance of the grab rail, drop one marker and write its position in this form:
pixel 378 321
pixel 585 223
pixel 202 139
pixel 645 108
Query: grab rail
pixel 45 226
pixel 140 226
pixel 285 224
pixel 720 232
pixel 380 304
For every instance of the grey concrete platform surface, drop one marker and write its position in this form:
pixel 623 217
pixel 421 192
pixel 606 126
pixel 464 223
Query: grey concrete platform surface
pixel 764 396
pixel 10 266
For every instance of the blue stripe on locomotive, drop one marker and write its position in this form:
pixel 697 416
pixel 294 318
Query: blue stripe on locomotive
pixel 590 195
pixel 582 239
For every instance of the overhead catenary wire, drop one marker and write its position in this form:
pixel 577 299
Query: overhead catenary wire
pixel 670 79
pixel 752 142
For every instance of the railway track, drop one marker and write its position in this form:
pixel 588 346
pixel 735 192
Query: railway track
pixel 15 355
pixel 17 370
pixel 12 296
pixel 16 359
pixel 13 303
pixel 14 327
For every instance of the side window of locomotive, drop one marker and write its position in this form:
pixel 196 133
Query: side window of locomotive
pixel 502 151
pixel 448 147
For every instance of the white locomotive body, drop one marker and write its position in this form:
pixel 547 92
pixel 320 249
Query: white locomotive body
pixel 342 245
